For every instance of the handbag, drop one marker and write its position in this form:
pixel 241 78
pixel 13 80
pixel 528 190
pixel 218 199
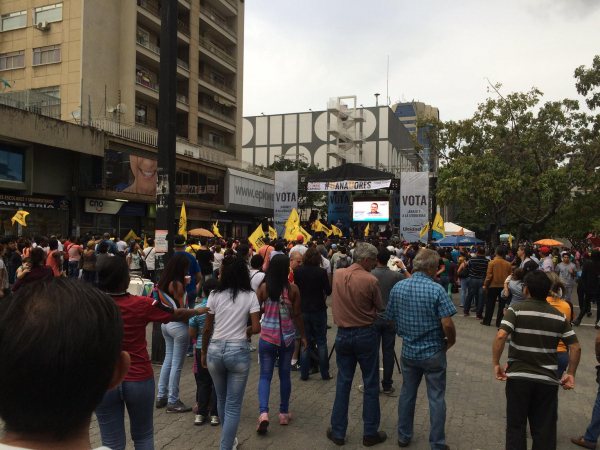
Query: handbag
pixel 464 273
pixel 454 288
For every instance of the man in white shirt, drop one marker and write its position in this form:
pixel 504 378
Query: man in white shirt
pixel 299 247
pixel 121 245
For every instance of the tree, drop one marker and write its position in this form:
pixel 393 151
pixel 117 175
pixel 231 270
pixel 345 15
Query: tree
pixel 516 160
pixel 314 200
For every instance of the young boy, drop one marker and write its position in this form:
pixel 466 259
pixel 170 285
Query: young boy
pixel 205 389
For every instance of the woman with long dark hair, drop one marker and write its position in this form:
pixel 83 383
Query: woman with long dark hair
pixel 39 269
pixel 137 389
pixel 591 287
pixel 280 302
pixel 228 356
pixel 134 258
pixel 172 294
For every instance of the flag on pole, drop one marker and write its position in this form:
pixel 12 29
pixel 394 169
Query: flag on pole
pixel 318 227
pixel 215 229
pixel 336 231
pixel 257 239
pixel 424 231
pixel 145 242
pixel 306 234
pixel 367 229
pixel 292 225
pixel 510 239
pixel 272 232
pixel 19 217
pixel 438 227
pixel 183 221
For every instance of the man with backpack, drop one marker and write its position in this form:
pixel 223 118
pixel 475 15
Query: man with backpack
pixel 343 260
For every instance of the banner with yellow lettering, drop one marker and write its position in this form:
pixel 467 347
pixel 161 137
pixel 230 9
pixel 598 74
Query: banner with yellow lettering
pixel 183 222
pixel 257 239
pixel 19 217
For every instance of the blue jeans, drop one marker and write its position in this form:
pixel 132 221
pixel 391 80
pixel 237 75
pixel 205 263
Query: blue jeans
pixel 475 288
pixel 464 286
pixel 593 430
pixel 445 282
pixel 267 353
pixel 176 338
pixel 138 396
pixel 229 366
pixel 72 270
pixel 434 369
pixel 387 338
pixel 315 326
pixel 352 346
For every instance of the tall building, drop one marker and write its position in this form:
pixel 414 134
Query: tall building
pixel 409 113
pixel 106 53
pixel 374 137
pixel 95 169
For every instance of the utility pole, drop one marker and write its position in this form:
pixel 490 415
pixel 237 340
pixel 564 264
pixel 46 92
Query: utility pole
pixel 167 127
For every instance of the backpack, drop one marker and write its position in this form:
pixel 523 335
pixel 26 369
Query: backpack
pixel 342 262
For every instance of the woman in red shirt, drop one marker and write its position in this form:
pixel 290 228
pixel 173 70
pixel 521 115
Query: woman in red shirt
pixel 137 390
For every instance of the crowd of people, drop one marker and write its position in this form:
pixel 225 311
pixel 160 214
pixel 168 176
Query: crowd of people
pixel 215 294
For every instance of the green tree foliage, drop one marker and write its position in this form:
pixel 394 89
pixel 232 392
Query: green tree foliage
pixel 519 160
pixel 314 200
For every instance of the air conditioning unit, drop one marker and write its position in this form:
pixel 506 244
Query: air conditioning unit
pixel 43 26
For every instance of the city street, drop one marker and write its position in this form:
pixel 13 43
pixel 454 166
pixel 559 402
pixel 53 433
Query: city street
pixel 475 403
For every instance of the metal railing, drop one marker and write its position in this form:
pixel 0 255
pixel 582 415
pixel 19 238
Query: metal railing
pixel 183 64
pixel 32 101
pixel 249 167
pixel 217 146
pixel 182 98
pixel 232 3
pixel 216 114
pixel 215 83
pixel 146 44
pixel 344 134
pixel 155 9
pixel 218 21
pixel 217 51
pixel 149 84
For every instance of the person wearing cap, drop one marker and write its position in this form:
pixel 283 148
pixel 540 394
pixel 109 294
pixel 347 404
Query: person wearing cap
pixel 547 265
pixel 299 247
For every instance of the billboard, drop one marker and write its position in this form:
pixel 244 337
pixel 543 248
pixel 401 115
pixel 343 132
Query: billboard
pixel 286 198
pixel 371 211
pixel 414 204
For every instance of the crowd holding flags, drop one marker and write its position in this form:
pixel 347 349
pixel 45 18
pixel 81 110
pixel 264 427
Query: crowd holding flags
pixel 318 227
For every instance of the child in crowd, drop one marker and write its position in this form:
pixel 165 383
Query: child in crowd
pixel 24 269
pixel 205 389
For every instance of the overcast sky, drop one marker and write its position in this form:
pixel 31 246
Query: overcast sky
pixel 300 53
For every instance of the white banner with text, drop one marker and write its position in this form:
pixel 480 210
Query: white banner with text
pixel 414 204
pixel 286 198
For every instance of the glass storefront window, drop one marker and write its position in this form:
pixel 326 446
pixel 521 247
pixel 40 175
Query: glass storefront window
pixel 12 163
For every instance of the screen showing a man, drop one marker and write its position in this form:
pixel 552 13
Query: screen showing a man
pixel 374 207
pixel 372 211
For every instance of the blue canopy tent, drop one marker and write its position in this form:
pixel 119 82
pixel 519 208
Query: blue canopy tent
pixel 459 241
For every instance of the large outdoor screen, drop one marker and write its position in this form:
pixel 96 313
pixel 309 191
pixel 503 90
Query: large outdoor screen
pixel 371 211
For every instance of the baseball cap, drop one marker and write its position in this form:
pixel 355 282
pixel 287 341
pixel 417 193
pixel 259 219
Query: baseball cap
pixel 545 250
pixel 179 240
pixel 300 238
pixel 391 248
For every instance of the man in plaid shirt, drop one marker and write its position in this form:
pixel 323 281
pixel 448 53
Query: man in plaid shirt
pixel 422 313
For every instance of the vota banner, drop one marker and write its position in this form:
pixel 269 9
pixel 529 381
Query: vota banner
pixel 414 204
pixel 339 208
pixel 286 198
pixel 348 185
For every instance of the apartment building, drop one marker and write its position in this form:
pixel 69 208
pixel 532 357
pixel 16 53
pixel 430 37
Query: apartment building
pixel 101 58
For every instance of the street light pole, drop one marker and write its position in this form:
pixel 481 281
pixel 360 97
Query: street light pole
pixel 167 126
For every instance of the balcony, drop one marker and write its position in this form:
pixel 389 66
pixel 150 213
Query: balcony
pixel 216 114
pixel 215 83
pixel 183 64
pixel 218 21
pixel 155 10
pixel 182 99
pixel 144 43
pixel 216 51
pixel 32 101
pixel 232 3
pixel 217 146
pixel 149 84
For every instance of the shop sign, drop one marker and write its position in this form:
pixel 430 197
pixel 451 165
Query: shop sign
pixel 97 206
pixel 20 201
pixel 248 193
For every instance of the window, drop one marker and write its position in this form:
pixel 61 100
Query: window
pixel 15 20
pixel 143 37
pixel 50 13
pixel 216 138
pixel 12 163
pixel 217 78
pixel 53 91
pixel 12 60
pixel 46 55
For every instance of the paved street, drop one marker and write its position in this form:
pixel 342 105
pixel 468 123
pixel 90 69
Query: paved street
pixel 475 402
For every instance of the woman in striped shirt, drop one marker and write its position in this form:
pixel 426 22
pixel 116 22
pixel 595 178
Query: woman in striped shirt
pixel 280 302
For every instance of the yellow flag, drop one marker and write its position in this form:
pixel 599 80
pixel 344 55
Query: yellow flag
pixel 438 225
pixel 424 231
pixel 318 227
pixel 257 238
pixel 306 234
pixel 510 239
pixel 183 222
pixel 131 236
pixel 145 242
pixel 20 218
pixel 293 218
pixel 292 225
pixel 215 228
pixel 336 230
pixel 367 229
pixel 272 232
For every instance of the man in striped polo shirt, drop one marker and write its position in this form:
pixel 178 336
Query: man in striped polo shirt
pixel 532 387
pixel 478 266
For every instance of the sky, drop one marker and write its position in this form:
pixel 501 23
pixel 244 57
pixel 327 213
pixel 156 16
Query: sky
pixel 300 53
